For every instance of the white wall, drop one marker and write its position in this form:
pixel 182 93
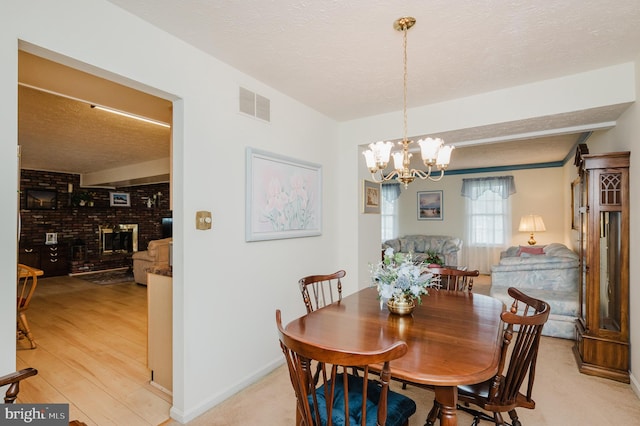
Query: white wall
pixel 225 290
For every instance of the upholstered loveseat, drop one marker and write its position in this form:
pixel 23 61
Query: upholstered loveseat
pixel 547 272
pixel 155 256
pixel 420 246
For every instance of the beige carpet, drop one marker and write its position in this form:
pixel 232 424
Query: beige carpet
pixel 563 396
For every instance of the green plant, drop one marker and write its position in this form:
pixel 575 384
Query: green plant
pixel 81 198
pixel 433 258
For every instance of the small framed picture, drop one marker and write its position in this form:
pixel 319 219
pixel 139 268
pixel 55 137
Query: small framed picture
pixel 430 205
pixel 119 199
pixel 370 197
pixel 51 238
pixel 40 199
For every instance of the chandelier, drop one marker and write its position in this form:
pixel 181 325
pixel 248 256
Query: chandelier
pixel 434 151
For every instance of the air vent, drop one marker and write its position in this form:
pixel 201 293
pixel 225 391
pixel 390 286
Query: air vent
pixel 263 108
pixel 254 105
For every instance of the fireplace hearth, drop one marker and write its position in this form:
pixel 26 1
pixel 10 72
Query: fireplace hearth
pixel 122 238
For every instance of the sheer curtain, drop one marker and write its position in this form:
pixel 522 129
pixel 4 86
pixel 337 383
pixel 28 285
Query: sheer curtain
pixel 488 220
pixel 389 220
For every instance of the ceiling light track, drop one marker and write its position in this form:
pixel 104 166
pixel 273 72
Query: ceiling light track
pixel 99 107
pixel 129 115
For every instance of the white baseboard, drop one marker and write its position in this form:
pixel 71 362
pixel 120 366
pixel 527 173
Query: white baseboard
pixel 635 385
pixel 185 417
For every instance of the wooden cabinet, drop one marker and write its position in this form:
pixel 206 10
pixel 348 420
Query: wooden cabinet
pixel 51 258
pixel 602 329
pixel 29 256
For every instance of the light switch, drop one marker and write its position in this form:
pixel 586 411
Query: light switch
pixel 203 220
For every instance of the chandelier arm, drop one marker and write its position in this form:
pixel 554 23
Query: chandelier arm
pixel 433 179
pixel 379 177
pixel 427 175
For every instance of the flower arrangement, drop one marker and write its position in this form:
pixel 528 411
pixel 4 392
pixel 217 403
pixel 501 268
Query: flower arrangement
pixel 397 277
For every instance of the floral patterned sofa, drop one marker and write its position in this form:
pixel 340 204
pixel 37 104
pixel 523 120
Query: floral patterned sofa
pixel 419 246
pixel 546 272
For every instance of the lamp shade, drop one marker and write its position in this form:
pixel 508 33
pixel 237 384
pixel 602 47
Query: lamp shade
pixel 531 223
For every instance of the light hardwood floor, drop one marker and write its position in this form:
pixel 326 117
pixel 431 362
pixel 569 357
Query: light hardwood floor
pixel 91 353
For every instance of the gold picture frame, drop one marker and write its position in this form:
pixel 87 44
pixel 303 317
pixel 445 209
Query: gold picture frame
pixel 370 197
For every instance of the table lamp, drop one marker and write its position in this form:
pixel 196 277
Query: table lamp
pixel 531 223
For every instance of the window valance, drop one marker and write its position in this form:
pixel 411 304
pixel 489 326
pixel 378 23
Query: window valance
pixel 390 191
pixel 473 188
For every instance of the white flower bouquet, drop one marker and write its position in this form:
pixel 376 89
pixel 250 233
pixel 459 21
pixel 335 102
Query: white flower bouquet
pixel 397 277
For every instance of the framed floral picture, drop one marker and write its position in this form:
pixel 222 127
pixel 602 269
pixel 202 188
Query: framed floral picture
pixel 370 197
pixel 430 205
pixel 283 197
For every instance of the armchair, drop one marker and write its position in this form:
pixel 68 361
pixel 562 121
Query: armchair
pixel 156 256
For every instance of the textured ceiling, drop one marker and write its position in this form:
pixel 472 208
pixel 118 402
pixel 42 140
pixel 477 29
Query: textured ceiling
pixel 80 139
pixel 344 59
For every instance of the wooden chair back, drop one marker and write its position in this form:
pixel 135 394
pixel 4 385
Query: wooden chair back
pixel 526 318
pixel 13 380
pixel 27 283
pixel 453 279
pixel 338 394
pixel 321 290
pixel 501 394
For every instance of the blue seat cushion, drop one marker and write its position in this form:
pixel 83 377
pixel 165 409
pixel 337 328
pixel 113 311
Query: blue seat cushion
pixel 399 407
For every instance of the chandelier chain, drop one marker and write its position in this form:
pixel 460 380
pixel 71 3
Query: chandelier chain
pixel 404 45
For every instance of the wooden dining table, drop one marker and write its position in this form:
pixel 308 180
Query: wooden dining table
pixel 454 338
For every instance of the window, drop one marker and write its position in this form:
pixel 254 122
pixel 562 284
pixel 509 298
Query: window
pixel 389 211
pixel 488 219
pixel 486 216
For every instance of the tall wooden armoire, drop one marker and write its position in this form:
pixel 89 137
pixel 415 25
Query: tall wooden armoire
pixel 602 329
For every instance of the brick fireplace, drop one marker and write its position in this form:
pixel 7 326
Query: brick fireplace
pixel 122 238
pixel 80 245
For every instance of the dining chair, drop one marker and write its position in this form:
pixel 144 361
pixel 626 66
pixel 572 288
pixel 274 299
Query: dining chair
pixel 453 279
pixel 342 398
pixel 325 289
pixel 13 380
pixel 501 393
pixel 27 283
